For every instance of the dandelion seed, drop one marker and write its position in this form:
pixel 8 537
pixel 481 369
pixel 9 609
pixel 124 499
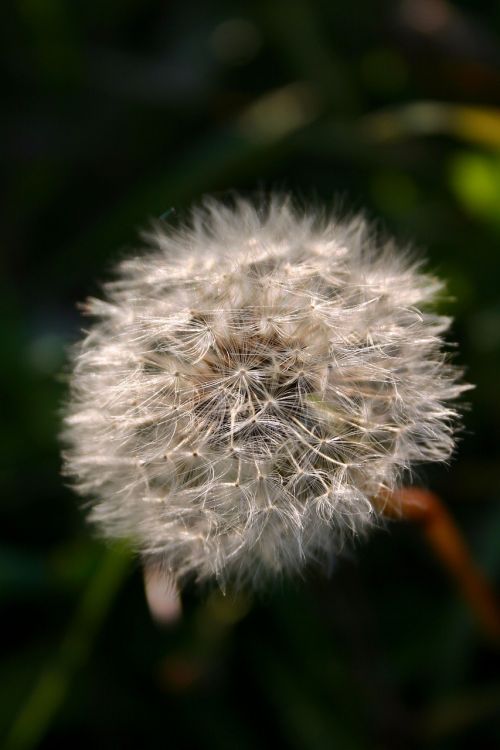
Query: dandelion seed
pixel 250 384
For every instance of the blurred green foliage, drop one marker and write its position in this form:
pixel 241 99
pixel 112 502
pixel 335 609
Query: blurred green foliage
pixel 118 111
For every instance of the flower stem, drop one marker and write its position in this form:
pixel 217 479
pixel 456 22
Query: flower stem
pixel 447 542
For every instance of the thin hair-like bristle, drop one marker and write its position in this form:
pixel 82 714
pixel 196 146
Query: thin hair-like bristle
pixel 249 385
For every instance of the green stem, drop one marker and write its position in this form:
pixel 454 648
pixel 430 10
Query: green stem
pixel 34 718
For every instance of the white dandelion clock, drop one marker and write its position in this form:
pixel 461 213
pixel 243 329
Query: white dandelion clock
pixel 250 385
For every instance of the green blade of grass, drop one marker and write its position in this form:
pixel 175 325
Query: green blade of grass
pixel 36 714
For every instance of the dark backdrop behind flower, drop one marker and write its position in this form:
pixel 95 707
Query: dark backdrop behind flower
pixel 118 112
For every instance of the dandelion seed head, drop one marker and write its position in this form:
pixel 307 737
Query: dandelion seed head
pixel 250 384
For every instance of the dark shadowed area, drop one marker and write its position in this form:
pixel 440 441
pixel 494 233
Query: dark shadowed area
pixel 119 112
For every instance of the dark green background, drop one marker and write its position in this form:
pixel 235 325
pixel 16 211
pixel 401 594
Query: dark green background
pixel 118 111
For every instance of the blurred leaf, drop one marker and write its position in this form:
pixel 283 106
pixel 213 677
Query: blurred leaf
pixel 475 180
pixel 479 125
pixel 35 716
pixel 453 715
pixel 259 133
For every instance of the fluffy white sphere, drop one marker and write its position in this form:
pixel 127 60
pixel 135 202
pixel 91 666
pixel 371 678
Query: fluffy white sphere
pixel 250 384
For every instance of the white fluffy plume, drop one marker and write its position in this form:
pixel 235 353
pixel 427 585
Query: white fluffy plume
pixel 250 384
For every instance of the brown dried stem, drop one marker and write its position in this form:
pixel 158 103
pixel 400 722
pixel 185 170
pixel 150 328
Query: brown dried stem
pixel 447 542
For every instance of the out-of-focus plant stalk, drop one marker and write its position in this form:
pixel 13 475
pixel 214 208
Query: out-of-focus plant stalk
pixel 446 540
pixel 34 718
